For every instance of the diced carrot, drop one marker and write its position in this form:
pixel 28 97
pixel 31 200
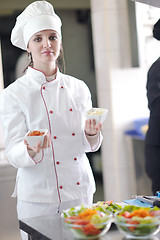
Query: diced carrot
pixel 87 214
pixel 140 213
pixel 36 133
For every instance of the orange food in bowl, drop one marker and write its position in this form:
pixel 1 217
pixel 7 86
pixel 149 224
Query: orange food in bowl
pixel 36 133
pixel 140 213
pixel 87 214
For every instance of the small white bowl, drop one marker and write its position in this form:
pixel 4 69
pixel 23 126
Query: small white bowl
pixel 33 140
pixel 98 114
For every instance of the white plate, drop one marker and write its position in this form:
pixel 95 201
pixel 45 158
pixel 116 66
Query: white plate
pixel 33 140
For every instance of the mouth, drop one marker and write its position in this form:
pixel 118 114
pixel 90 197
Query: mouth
pixel 47 52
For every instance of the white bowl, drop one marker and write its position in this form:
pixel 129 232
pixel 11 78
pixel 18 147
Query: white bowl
pixel 33 140
pixel 98 114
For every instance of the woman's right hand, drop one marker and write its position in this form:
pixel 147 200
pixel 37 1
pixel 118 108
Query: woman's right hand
pixel 38 148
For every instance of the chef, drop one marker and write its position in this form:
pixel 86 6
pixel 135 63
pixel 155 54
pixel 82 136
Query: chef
pixel 56 175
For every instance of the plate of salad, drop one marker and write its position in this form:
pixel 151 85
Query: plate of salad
pixel 88 221
pixel 138 222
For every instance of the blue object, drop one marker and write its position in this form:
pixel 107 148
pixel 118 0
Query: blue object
pixel 137 203
pixel 136 132
pixel 139 123
pixel 158 193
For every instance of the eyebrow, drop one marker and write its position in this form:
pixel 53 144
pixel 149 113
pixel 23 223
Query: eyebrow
pixel 38 35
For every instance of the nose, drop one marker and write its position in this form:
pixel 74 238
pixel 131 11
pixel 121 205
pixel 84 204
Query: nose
pixel 46 43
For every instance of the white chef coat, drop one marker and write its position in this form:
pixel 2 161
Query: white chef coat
pixel 61 172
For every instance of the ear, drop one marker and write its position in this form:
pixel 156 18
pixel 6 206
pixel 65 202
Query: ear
pixel 28 50
pixel 61 47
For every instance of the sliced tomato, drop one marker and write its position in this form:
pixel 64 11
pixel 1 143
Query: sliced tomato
pixel 126 214
pixel 132 228
pixel 155 213
pixel 90 229
pixel 109 202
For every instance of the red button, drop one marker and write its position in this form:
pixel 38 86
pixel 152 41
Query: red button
pixel 75 159
pixel 78 183
pixel 51 111
pixel 73 134
pixel 61 86
pixel 60 187
pixel 55 137
pixel 43 87
pixel 57 162
pixel 70 109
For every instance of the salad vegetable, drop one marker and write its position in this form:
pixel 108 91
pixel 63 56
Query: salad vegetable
pixel 109 206
pixel 88 221
pixel 138 221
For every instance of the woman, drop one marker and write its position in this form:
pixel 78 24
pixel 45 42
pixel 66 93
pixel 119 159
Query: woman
pixel 57 175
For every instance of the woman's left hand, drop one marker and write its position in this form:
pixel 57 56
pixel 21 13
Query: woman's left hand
pixel 91 128
pixel 38 148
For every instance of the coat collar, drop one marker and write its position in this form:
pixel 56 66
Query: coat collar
pixel 39 76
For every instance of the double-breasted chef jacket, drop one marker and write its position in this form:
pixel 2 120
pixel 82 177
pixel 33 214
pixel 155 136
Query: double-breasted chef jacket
pixel 61 172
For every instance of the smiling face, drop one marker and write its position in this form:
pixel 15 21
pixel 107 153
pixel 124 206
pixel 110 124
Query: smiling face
pixel 45 48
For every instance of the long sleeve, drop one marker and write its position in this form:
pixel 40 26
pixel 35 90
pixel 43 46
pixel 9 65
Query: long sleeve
pixel 91 143
pixel 95 141
pixel 13 123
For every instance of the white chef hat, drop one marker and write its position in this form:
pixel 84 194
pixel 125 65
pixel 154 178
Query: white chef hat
pixel 36 17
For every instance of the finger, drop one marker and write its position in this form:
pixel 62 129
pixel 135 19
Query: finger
pixel 47 141
pixel 87 123
pixel 99 127
pixel 28 147
pixel 38 148
pixel 93 122
pixel 49 136
pixel 90 128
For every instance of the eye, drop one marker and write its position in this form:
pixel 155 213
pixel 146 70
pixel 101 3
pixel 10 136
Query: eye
pixel 53 38
pixel 37 39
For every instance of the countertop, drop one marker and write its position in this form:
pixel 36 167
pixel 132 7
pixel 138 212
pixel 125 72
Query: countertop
pixel 51 228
